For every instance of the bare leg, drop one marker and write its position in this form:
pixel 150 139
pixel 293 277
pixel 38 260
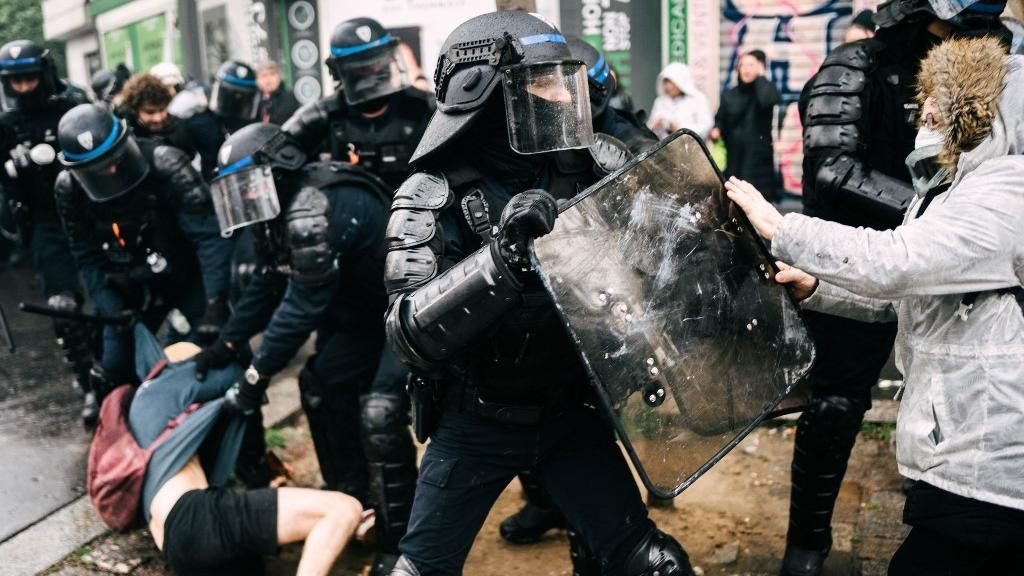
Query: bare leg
pixel 325 520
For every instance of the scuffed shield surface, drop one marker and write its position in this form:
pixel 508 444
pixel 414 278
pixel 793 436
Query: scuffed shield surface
pixel 668 296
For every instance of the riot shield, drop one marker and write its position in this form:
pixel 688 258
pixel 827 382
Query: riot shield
pixel 669 297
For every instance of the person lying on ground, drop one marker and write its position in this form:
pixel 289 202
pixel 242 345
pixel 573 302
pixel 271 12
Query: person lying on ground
pixel 200 526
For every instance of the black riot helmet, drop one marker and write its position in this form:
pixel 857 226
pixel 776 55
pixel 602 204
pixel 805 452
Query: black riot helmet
pixel 234 94
pixel 100 151
pixel 599 74
pixel 365 61
pixel 545 89
pixel 967 17
pixel 249 163
pixel 24 60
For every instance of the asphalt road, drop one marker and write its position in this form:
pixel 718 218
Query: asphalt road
pixel 43 445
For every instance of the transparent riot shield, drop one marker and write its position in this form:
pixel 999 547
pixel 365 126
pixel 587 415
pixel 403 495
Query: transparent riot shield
pixel 669 298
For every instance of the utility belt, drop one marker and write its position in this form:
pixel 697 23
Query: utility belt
pixel 432 396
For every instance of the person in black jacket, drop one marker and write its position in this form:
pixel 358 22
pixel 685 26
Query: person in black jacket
pixel 277 104
pixel 744 122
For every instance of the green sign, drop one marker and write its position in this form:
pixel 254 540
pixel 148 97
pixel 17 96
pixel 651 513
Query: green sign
pixel 675 37
pixel 140 45
pixel 117 48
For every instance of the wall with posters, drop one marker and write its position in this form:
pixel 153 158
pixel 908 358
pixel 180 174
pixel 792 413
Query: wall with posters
pixel 796 35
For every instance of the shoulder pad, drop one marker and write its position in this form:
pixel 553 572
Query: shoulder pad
pixel 861 55
pixel 168 159
pixel 833 109
pixel 845 137
pixel 308 228
pixel 69 206
pixel 312 114
pixel 423 190
pixel 839 80
pixel 407 269
pixel 64 186
pixel 174 169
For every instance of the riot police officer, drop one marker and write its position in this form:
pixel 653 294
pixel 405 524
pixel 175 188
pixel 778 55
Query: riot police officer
pixel 319 233
pixel 33 99
pixel 860 120
pixel 375 118
pixel 234 98
pixel 142 230
pixel 500 388
pixel 539 515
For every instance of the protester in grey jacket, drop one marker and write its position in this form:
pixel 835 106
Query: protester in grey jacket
pixel 951 276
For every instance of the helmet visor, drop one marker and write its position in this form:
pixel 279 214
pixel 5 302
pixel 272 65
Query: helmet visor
pixel 234 101
pixel 11 100
pixel 548 107
pixel 244 197
pixel 114 174
pixel 372 74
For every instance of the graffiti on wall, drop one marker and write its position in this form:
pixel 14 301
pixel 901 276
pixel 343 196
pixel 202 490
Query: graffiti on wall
pixel 796 35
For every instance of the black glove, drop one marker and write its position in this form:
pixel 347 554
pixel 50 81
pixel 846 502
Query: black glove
pixel 214 318
pixel 245 398
pixel 527 215
pixel 219 355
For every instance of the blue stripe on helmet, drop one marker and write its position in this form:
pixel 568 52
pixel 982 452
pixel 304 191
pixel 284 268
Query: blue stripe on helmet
pixel 235 167
pixel 342 52
pixel 539 38
pixel 115 131
pixel 237 81
pixel 17 62
pixel 600 70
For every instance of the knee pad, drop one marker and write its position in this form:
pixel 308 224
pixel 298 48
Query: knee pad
pixel 404 567
pixel 658 554
pixel 831 421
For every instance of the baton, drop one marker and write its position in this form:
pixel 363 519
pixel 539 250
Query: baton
pixel 115 320
pixel 6 331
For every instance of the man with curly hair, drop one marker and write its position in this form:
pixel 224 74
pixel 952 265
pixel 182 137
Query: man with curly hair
pixel 144 102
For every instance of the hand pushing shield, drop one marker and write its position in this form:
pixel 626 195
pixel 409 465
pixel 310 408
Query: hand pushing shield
pixel 668 295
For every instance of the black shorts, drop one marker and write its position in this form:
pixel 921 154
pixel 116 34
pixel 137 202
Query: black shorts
pixel 217 531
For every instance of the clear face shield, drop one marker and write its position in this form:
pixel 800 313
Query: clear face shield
pixel 113 176
pixel 244 196
pixel 373 74
pixel 234 102
pixel 547 107
pixel 11 100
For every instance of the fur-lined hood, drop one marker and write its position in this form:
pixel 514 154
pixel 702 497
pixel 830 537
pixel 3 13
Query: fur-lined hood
pixel 979 93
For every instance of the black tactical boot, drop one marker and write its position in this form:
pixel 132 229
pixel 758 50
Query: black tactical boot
pixel 825 436
pixel 535 518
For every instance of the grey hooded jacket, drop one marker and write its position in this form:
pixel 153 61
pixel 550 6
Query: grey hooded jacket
pixel 961 421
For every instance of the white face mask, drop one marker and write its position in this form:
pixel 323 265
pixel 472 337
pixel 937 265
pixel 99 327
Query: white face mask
pixel 926 137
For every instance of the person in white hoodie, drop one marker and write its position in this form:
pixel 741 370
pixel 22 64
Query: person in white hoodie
pixel 680 104
pixel 952 279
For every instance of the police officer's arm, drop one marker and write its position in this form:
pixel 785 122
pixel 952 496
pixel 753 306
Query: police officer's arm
pixel 311 228
pixel 832 107
pixel 310 126
pixel 196 218
pixel 255 308
pixel 436 313
pixel 88 255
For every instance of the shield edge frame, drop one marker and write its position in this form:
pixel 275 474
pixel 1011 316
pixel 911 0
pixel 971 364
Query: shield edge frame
pixel 606 405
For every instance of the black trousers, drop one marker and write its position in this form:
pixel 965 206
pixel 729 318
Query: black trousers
pixel 470 461
pixel 956 536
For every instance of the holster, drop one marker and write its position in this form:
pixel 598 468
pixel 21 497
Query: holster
pixel 425 393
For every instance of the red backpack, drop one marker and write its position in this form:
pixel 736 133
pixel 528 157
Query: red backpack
pixel 117 464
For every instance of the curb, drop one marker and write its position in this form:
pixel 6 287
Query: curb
pixel 75 524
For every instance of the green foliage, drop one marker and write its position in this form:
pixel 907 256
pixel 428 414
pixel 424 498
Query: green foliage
pixel 274 438
pixel 878 431
pixel 23 19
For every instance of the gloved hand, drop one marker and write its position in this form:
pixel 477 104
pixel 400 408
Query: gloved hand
pixel 245 398
pixel 214 318
pixel 218 355
pixel 528 215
